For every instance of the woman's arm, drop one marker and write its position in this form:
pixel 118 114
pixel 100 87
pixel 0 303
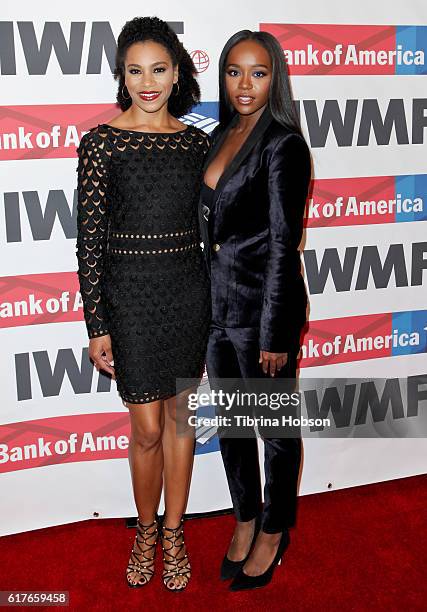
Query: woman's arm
pixel 92 234
pixel 92 227
pixel 289 173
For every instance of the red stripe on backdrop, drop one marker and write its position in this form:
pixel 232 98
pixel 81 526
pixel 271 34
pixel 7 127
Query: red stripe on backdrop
pixel 40 298
pixel 63 439
pixel 325 37
pixel 336 202
pixel 347 339
pixel 50 130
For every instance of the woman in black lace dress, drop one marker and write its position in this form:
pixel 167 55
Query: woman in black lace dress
pixel 142 275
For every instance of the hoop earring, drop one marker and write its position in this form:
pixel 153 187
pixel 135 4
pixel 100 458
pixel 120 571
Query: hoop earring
pixel 126 98
pixel 177 92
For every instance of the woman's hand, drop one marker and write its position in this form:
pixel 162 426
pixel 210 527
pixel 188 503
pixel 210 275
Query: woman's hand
pixel 101 354
pixel 272 361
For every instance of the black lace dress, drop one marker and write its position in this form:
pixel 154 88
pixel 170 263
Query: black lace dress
pixel 140 265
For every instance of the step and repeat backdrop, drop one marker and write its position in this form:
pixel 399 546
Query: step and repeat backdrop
pixel 359 76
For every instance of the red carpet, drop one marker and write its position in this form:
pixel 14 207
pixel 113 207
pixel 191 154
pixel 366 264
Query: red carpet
pixel 356 549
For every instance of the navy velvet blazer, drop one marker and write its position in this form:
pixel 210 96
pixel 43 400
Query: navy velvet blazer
pixel 252 232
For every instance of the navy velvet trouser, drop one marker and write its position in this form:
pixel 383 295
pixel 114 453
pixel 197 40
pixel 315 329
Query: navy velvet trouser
pixel 234 353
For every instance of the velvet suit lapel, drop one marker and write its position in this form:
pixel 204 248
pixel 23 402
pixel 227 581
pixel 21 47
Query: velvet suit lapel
pixel 254 137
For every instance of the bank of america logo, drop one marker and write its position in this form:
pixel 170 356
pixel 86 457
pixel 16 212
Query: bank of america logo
pixel 207 124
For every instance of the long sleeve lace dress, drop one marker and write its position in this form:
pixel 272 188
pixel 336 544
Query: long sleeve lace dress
pixel 140 265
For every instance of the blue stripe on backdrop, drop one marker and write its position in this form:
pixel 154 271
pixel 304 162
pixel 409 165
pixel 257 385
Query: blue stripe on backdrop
pixel 412 38
pixel 409 322
pixel 410 187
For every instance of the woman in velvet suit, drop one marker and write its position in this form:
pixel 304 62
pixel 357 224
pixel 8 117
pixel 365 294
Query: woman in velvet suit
pixel 256 179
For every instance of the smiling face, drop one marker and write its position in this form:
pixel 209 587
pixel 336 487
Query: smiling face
pixel 248 76
pixel 149 75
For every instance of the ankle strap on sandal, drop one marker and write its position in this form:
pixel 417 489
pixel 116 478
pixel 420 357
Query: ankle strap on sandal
pixel 138 522
pixel 173 529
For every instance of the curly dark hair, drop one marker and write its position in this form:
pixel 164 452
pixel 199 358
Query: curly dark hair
pixel 141 29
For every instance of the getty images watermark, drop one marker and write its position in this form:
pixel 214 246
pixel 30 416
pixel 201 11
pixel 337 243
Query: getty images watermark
pixel 308 407
pixel 228 403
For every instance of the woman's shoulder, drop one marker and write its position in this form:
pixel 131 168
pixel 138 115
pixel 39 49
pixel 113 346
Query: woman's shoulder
pixel 277 132
pixel 285 141
pixel 96 137
pixel 193 130
pixel 198 137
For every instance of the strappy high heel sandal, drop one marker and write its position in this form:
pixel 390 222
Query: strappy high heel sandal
pixel 178 564
pixel 141 560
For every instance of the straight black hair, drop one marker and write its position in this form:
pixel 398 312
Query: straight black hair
pixel 280 101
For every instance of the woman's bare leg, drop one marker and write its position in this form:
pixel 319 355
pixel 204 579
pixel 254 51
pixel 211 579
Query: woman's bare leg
pixel 178 453
pixel 146 457
pixel 146 464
